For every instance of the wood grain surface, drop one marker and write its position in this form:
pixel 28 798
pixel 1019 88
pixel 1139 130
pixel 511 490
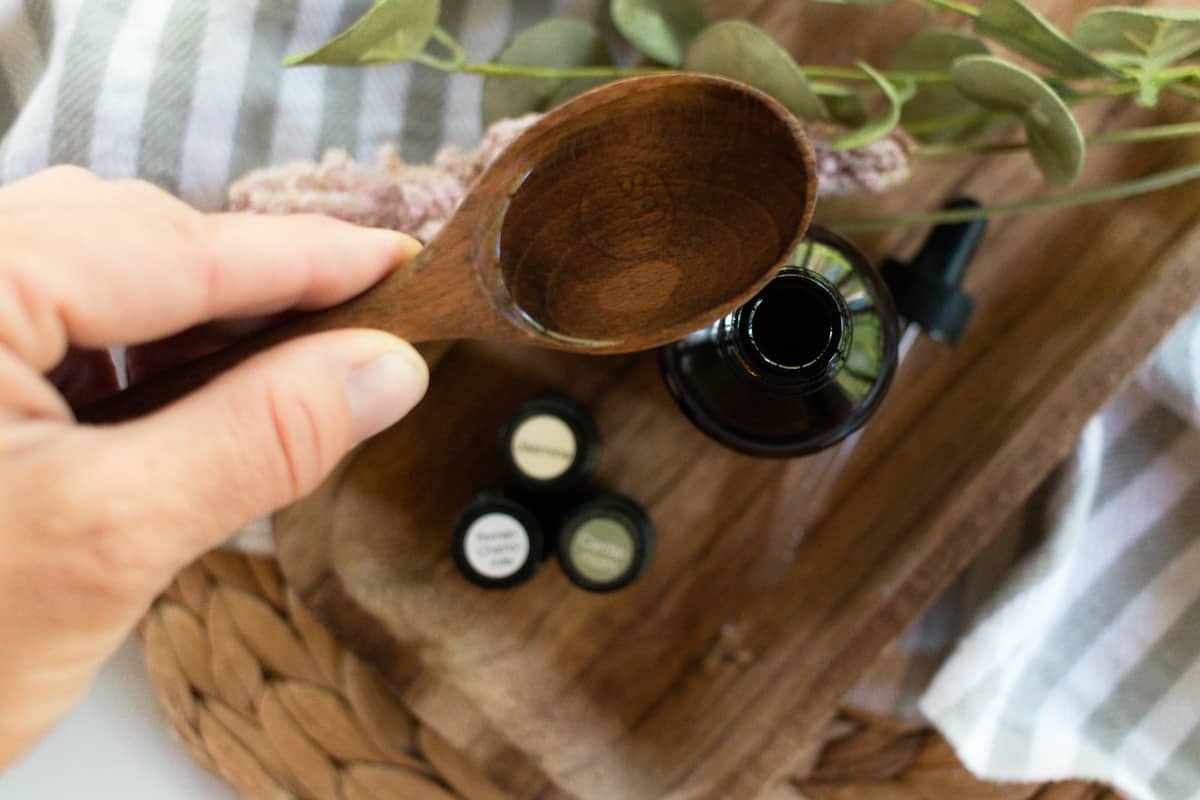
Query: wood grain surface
pixel 768 596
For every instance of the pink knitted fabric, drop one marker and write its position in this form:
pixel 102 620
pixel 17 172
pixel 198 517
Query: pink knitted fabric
pixel 418 199
pixel 415 199
pixel 871 168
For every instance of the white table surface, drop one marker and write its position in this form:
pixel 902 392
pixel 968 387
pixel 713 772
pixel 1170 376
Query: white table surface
pixel 116 745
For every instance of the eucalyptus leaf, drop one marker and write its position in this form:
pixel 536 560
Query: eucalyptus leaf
pixel 906 89
pixel 391 30
pixel 876 129
pixel 843 105
pixel 559 42
pixel 1054 138
pixel 1172 32
pixel 1023 30
pixel 738 50
pixel 662 29
pixel 1148 40
pixel 934 51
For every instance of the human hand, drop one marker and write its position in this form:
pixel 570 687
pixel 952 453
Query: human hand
pixel 97 519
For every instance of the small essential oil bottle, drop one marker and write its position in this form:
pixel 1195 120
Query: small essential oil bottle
pixel 605 543
pixel 498 541
pixel 550 445
pixel 801 366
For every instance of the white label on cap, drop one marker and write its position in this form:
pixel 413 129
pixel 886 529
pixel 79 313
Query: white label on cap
pixel 496 545
pixel 543 447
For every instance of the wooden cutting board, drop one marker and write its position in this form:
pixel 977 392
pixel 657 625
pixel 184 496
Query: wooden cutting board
pixel 770 593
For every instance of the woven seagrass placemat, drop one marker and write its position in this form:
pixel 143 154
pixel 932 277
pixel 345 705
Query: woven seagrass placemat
pixel 261 695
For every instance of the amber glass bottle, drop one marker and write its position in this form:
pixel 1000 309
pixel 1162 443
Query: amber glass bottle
pixel 798 368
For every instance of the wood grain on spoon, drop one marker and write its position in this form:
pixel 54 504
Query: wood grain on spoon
pixel 627 218
pixel 658 207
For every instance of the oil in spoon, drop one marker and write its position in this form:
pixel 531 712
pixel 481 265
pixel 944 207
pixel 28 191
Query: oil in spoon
pixel 636 221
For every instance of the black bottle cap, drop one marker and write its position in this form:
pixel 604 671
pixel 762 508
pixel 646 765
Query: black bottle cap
pixel 498 541
pixel 550 443
pixel 605 543
pixel 927 290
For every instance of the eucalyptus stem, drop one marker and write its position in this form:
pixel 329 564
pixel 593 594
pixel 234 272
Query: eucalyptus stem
pixel 1156 133
pixel 458 53
pixel 958 150
pixel 1181 130
pixel 458 56
pixel 1118 90
pixel 1182 91
pixel 1150 183
pixel 840 73
pixel 1179 73
pixel 515 71
pixel 847 74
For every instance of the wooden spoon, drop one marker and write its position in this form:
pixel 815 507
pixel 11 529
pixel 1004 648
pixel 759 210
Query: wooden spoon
pixel 625 219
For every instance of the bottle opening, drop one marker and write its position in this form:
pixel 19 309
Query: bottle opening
pixel 795 323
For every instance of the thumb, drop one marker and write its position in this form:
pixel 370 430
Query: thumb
pixel 267 432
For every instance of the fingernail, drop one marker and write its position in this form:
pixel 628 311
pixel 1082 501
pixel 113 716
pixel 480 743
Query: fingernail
pixel 401 246
pixel 383 390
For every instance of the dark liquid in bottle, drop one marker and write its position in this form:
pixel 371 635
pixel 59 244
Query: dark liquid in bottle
pixel 798 368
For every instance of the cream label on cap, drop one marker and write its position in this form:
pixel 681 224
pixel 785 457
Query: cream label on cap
pixel 544 447
pixel 496 545
pixel 602 550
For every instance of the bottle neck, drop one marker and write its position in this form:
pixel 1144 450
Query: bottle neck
pixel 795 333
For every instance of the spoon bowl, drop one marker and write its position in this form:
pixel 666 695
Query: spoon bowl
pixel 642 210
pixel 621 221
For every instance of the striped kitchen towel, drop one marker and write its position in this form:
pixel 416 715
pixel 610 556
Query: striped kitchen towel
pixel 190 94
pixel 1082 660
pixel 1071 648
pixel 1086 661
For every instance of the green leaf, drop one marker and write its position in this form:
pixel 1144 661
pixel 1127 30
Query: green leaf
pixel 906 89
pixel 392 30
pixel 1149 40
pixel 662 29
pixel 876 129
pixel 738 50
pixel 856 2
pixel 1172 32
pixel 562 42
pixel 1021 29
pixel 1055 140
pixel 935 51
pixel 843 105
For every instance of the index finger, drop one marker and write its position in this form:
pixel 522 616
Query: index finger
pixel 125 263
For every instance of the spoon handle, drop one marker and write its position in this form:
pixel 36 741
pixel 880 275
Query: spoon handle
pixel 406 303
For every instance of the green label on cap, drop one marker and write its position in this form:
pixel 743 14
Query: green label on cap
pixel 602 550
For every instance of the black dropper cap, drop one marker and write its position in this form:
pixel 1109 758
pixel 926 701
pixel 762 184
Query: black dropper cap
pixel 927 290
